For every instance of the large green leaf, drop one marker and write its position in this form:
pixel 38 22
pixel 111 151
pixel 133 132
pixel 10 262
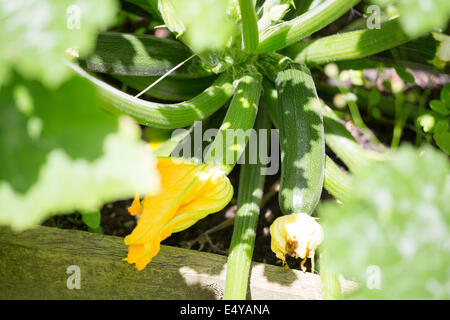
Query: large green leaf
pixel 36 33
pixel 204 24
pixel 59 152
pixel 392 232
pixel 420 16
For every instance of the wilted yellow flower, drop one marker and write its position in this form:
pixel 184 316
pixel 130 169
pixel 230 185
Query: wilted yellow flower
pixel 297 235
pixel 189 192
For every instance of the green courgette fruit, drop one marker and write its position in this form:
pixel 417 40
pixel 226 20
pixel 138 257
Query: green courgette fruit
pixel 141 55
pixel 162 115
pixel 169 88
pixel 302 140
pixel 335 181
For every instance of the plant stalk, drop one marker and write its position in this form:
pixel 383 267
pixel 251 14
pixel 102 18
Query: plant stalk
pixel 289 32
pixel 249 25
pixel 234 133
pixel 251 185
pixel 350 45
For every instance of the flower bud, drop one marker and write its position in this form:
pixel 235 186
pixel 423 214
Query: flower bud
pixel 297 235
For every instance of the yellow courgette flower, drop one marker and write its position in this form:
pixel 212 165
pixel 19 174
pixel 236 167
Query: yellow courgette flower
pixel 189 192
pixel 297 235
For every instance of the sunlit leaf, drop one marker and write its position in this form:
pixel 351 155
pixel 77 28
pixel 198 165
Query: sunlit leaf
pixel 442 139
pixel 203 23
pixel 392 232
pixel 37 33
pixel 420 16
pixel 59 152
pixel 439 107
pixel 445 95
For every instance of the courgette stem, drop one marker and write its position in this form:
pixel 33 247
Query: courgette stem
pixel 342 143
pixel 350 45
pixel 270 100
pixel 251 184
pixel 401 116
pixel 271 63
pixel 330 281
pixel 358 120
pixel 386 104
pixel 287 33
pixel 141 55
pixel 336 182
pixel 249 25
pixel 233 135
pixel 266 19
pixel 422 53
pixel 166 148
pixel 159 115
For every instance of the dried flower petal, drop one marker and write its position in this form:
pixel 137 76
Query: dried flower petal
pixel 297 235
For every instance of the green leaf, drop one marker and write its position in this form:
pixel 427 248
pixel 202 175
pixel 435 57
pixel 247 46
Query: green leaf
pixel 418 16
pixel 442 56
pixel 391 234
pixel 439 107
pixel 442 139
pixel 442 125
pixel 59 152
pixel 445 95
pixel 92 219
pixel 36 33
pixel 204 24
pixel 170 16
pixel 151 6
pixel 374 97
pixel 404 74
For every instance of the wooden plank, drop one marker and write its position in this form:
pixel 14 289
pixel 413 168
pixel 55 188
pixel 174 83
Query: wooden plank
pixel 33 265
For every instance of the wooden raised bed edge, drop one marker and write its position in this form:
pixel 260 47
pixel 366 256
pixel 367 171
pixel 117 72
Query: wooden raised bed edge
pixel 34 264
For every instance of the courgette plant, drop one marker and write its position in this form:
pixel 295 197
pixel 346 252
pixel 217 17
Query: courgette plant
pixel 263 50
pixel 240 54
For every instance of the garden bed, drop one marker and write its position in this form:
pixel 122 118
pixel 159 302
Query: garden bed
pixel 34 263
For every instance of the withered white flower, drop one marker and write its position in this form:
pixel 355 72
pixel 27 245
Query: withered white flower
pixel 297 235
